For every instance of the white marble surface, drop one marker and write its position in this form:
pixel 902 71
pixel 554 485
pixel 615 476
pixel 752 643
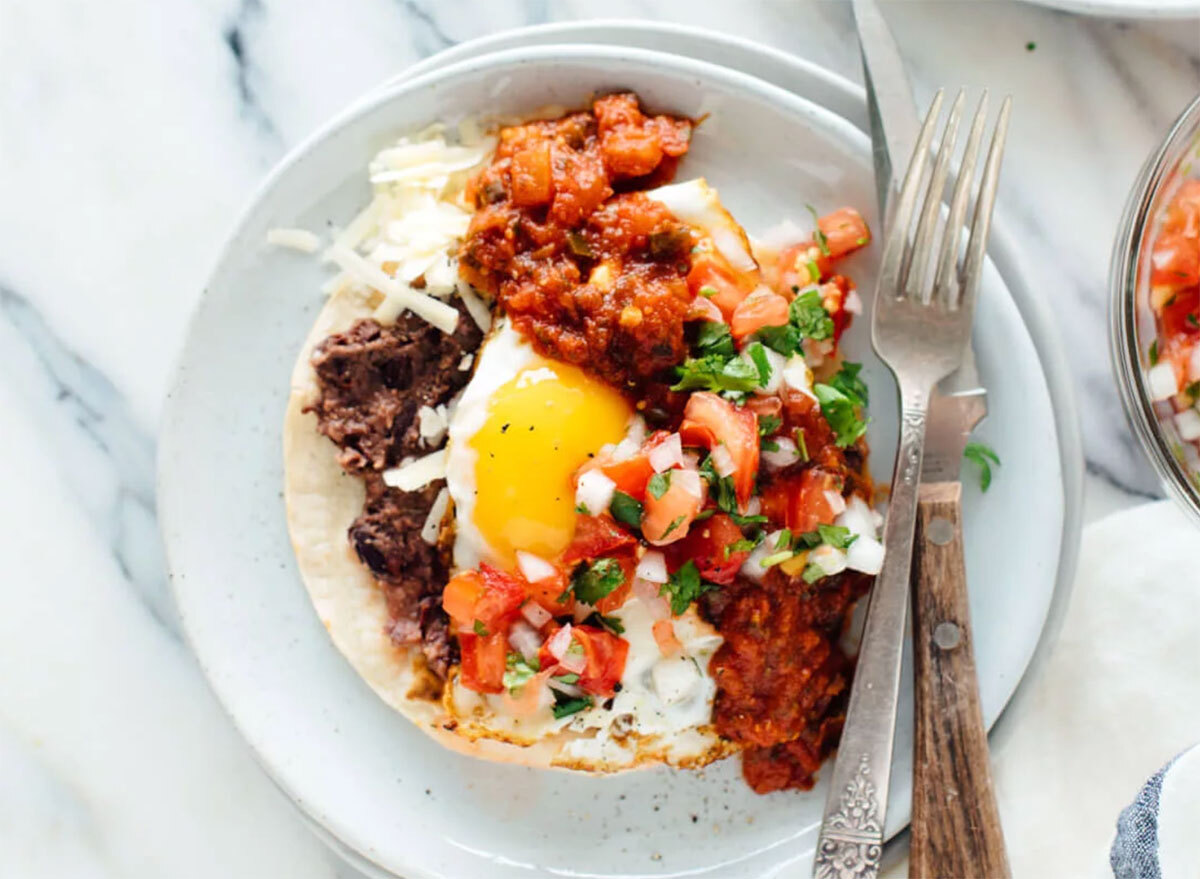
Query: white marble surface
pixel 130 133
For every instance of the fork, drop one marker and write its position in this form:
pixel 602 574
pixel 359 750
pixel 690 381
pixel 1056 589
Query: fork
pixel 920 329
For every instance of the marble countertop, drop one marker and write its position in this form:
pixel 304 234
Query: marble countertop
pixel 143 126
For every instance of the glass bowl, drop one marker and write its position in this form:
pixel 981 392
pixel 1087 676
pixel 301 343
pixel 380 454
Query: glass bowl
pixel 1134 334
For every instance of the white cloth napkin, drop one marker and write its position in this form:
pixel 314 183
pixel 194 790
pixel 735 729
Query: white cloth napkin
pixel 1118 698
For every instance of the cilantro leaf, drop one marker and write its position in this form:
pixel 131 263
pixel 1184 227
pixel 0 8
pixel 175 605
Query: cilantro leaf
pixel 746 544
pixel 684 587
pixel 785 339
pixel 1154 352
pixel 591 582
pixel 480 629
pixel 822 241
pixel 768 424
pixel 612 623
pixel 758 355
pixel 842 414
pixel 813 572
pixel 570 678
pixel 720 488
pixel 565 706
pixel 659 483
pixel 983 457
pixel 847 381
pixel 807 319
pixel 625 508
pixel 836 536
pixel 714 372
pixel 519 671
pixel 713 337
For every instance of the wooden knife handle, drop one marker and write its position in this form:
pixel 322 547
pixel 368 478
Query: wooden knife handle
pixel 956 830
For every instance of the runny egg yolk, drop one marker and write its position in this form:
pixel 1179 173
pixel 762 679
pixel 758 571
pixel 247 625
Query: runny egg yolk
pixel 541 426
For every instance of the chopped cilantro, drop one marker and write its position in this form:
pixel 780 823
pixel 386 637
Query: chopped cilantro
pixel 1193 390
pixel 822 241
pixel 518 671
pixel 612 623
pixel 684 587
pixel 713 337
pixel 480 629
pixel 714 372
pixel 582 510
pixel 1154 352
pixel 814 271
pixel 569 678
pixel 675 523
pixel 591 582
pixel 801 445
pixel 784 540
pixel 720 488
pixel 1193 320
pixel 626 509
pixel 984 457
pixel 707 291
pixel 743 521
pixel 659 483
pixel 768 424
pixel 807 319
pixel 758 355
pixel 744 545
pixel 768 445
pixel 836 536
pixel 842 414
pixel 813 572
pixel 565 706
pixel 847 381
pixel 776 557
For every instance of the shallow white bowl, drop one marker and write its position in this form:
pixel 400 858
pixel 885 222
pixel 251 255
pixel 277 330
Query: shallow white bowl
pixel 362 773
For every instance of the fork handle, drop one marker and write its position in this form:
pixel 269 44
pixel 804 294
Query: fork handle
pixel 850 843
pixel 955 823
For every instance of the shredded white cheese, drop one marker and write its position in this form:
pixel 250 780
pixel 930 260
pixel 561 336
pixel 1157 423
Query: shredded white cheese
pixel 296 239
pixel 433 522
pixel 476 307
pixel 418 473
pixel 441 315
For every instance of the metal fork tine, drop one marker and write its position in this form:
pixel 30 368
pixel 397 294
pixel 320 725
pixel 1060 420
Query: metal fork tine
pixel 897 240
pixel 915 280
pixel 984 204
pixel 947 267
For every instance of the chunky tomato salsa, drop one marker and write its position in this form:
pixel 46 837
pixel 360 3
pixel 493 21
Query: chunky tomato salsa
pixel 740 491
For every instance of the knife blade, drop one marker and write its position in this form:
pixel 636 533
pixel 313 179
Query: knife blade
pixel 960 401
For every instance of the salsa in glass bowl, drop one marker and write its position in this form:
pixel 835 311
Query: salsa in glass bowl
pixel 1155 309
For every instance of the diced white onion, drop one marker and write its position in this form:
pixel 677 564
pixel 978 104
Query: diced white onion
pixel 752 566
pixel 537 615
pixel 754 506
pixel 858 518
pixel 652 567
pixel 465 363
pixel 559 642
pixel 836 502
pixel 297 239
pixel 776 362
pixel 418 473
pixel 689 481
pixel 1162 381
pixel 573 662
pixel 636 432
pixel 797 375
pixel 566 689
pixel 786 455
pixel 594 492
pixel 432 528
pixel 438 313
pixel 829 559
pixel 648 594
pixel 723 462
pixel 1194 364
pixel 476 307
pixel 525 638
pixel 534 568
pixel 1187 423
pixel 667 454
pixel 431 424
pixel 853 303
pixel 1162 257
pixel 865 554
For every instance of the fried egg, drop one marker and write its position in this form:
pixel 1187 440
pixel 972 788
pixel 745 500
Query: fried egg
pixel 522 428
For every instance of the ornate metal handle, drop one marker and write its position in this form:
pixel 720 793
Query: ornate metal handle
pixel 850 845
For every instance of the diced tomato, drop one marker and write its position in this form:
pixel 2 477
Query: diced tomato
pixel 800 502
pixel 710 270
pixel 546 593
pixel 1175 261
pixel 483 661
pixel 666 518
pixel 705 545
pixel 1175 320
pixel 529 172
pixel 488 596
pixel 632 474
pixel 709 420
pixel 845 231
pixel 794 268
pixel 1183 214
pixel 664 635
pixel 596 536
pixel 762 308
pixel 605 653
pixel 702 308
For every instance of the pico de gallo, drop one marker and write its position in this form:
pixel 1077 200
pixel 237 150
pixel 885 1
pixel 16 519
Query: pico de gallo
pixel 740 491
pixel 1174 356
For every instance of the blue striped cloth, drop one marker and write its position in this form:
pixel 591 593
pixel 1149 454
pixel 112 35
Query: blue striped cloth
pixel 1148 844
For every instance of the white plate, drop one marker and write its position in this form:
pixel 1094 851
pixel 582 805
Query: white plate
pixel 362 773
pixel 1126 8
